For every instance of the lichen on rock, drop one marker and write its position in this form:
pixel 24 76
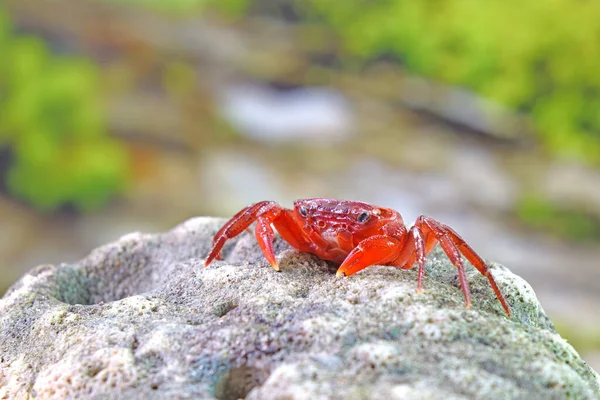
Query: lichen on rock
pixel 142 318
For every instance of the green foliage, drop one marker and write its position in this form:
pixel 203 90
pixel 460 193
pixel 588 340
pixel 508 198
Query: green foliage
pixel 565 222
pixel 539 56
pixel 233 7
pixel 51 119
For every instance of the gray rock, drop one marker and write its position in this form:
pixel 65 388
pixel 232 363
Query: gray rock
pixel 142 318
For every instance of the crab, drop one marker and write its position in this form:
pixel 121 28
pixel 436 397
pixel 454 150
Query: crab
pixel 355 235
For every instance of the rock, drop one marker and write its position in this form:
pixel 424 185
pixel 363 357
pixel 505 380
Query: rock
pixel 141 318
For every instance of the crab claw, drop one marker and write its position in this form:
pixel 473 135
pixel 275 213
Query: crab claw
pixel 377 249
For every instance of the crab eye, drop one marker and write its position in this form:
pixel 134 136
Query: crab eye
pixel 363 216
pixel 303 211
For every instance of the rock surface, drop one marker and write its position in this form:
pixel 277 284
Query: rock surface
pixel 141 318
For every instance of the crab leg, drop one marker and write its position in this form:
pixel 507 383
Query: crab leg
pixel 454 245
pixel 478 263
pixel 266 214
pixel 415 250
pixel 237 225
pixel 449 248
pixel 378 249
pixel 265 235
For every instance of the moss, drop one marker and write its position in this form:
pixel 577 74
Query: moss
pixel 221 309
pixel 71 286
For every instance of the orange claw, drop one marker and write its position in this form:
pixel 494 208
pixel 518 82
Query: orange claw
pixel 264 236
pixel 374 250
pixel 356 235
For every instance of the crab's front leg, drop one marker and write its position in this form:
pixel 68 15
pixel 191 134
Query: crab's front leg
pixel 264 213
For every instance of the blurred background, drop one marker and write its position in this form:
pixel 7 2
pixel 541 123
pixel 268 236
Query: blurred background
pixel 120 116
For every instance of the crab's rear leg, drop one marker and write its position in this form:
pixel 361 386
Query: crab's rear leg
pixel 239 222
pixel 453 245
pixel 478 263
pixel 429 226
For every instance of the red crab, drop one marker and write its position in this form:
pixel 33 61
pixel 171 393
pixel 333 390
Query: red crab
pixel 355 235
